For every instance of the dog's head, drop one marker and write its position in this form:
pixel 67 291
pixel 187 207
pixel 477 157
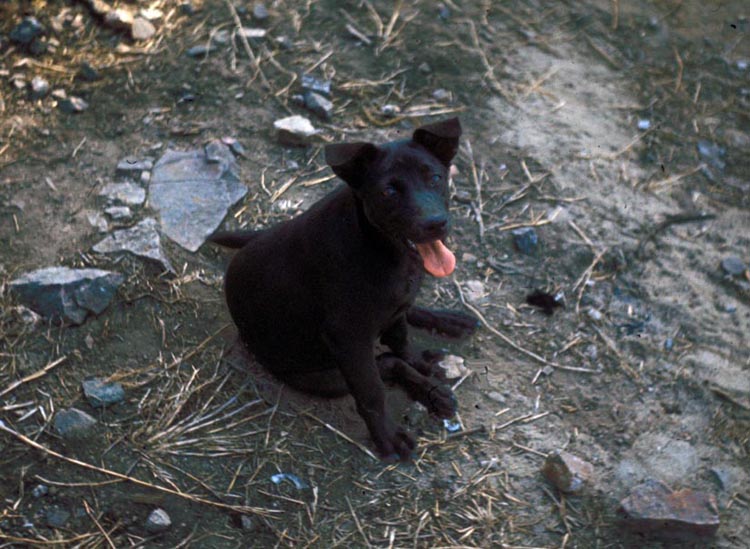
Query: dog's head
pixel 403 188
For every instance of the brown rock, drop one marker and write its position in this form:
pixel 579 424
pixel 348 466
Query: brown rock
pixel 652 508
pixel 567 472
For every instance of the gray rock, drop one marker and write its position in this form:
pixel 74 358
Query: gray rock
pixel 127 194
pixel 193 195
pixel 424 68
pixel 131 164
pixel 474 291
pixel 248 523
pixel 199 51
pixel 72 105
pixel 221 37
pixel 119 213
pixel 97 221
pixel 158 521
pixel 142 240
pixel 389 110
pixel 26 31
pixel 67 294
pixel 441 94
pixel 454 366
pixel 733 265
pixel 318 105
pixel 56 517
pixel 73 423
pixel 234 145
pixel 310 83
pixel 525 239
pixel 119 19
pixel 294 130
pixel 655 455
pixel 260 12
pixel 59 94
pixel 88 72
pixel 39 87
pixel 101 394
pixel 215 151
pixel 142 29
pixel 713 153
pixel 253 34
pixel 567 472
pixel 652 508
pixel 40 490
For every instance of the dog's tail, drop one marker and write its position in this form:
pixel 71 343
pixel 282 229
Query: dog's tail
pixel 233 239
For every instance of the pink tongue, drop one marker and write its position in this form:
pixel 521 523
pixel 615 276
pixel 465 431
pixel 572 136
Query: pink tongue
pixel 438 260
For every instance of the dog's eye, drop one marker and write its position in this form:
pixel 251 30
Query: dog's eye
pixel 390 191
pixel 437 178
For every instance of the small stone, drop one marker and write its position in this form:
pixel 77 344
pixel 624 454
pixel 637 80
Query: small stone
pixel 40 490
pixel 67 294
pixel 644 124
pixel 713 153
pixel 198 51
pixel 59 94
pixel 132 164
pixel 730 308
pixel 26 31
pixel 73 423
pixel 668 344
pixel 215 151
pixel 39 87
pixel 221 37
pixel 145 177
pixel 474 291
pixel 26 315
pixel 454 366
pixel 254 34
pixel 736 138
pixel 294 130
pixel 525 239
pixel 567 472
pixel 73 105
pixel 152 14
pixel 248 523
pixel 234 145
pixel 496 397
pixel 260 12
pixel 87 72
pixel 101 394
pixel 310 83
pixel 19 82
pixel 594 314
pixel 56 517
pixel 119 19
pixel 424 68
pixel 158 521
pixel 97 221
pixel 142 29
pixel 119 213
pixel 441 94
pixel 128 194
pixel 142 240
pixel 318 105
pixel 285 42
pixel 468 257
pixel 187 8
pixel 390 111
pixel 652 508
pixel 733 266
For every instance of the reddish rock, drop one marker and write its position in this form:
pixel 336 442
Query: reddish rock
pixel 652 508
pixel 567 472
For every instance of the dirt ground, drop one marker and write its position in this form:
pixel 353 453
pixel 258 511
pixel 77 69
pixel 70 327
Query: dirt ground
pixel 592 122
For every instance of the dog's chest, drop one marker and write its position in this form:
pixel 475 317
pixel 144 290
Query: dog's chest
pixel 404 286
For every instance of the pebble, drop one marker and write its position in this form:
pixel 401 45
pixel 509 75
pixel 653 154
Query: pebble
pixel 119 19
pixel 142 29
pixel 39 87
pixel 247 523
pixel 318 105
pixel 193 194
pixel 474 291
pixel 87 72
pixel 131 164
pixel 424 68
pixel 73 423
pixel 128 194
pixel 454 366
pixel 260 12
pixel 119 213
pixel 72 105
pixel 152 14
pixel 294 130
pixel 594 314
pixel 67 294
pixel 644 124
pixel 525 239
pixel 278 478
pixel 497 397
pixel 733 266
pixel 98 221
pixel 254 34
pixel 310 83
pixel 441 94
pixel 736 138
pixel 26 31
pixel 198 51
pixel 101 394
pixel 142 239
pixel 158 521
pixel 389 110
pixel 59 94
pixel 40 490
pixel 713 153
pixel 234 145
pixel 56 517
pixel 567 472
pixel 652 508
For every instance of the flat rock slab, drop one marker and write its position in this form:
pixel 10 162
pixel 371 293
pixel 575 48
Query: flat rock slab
pixel 142 240
pixel 193 194
pixel 652 508
pixel 67 294
pixel 73 423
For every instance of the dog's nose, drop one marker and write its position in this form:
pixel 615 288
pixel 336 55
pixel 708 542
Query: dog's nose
pixel 435 224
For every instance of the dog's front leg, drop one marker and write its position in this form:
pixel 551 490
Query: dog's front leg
pixel 396 337
pixel 356 362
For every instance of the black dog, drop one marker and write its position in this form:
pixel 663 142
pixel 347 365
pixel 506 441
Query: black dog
pixel 312 295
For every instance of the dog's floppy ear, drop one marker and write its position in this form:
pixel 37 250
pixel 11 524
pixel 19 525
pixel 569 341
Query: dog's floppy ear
pixel 350 161
pixel 440 138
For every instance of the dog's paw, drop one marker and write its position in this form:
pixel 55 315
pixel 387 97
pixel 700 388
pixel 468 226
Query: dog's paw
pixel 455 325
pixel 441 401
pixel 395 443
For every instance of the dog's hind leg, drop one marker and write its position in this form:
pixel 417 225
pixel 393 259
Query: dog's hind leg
pixel 448 324
pixel 435 395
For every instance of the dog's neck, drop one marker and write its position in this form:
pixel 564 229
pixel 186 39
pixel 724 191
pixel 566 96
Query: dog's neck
pixel 373 235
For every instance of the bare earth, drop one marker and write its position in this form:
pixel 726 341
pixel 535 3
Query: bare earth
pixel 645 372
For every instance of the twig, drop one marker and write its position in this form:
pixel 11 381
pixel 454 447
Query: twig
pixel 342 435
pixel 248 49
pixel 357 523
pixel 32 377
pixel 244 509
pixel 675 219
pixel 90 513
pixel 478 186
